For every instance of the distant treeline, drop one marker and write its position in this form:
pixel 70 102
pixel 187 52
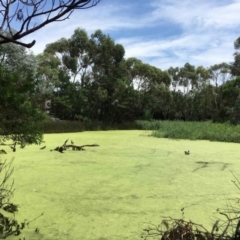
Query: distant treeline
pixel 87 78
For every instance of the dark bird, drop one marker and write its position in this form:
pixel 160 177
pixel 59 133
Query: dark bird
pixel 72 142
pixel 22 145
pixel 13 147
pixel 187 152
pixel 42 147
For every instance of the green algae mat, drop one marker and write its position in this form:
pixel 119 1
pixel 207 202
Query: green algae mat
pixel 113 191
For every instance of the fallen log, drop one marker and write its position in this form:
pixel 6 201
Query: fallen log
pixel 80 148
pixel 74 147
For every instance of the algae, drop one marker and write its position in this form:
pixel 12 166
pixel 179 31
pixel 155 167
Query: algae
pixel 113 191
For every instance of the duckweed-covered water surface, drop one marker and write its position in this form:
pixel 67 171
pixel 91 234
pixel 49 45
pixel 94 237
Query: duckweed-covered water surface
pixel 113 191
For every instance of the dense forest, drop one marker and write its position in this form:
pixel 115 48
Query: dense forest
pixel 88 78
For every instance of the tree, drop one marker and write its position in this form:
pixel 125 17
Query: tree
pixel 236 64
pixel 150 84
pixel 235 112
pixel 188 77
pixel 20 119
pixel 108 78
pixel 203 77
pixel 14 58
pixel 174 75
pixel 19 18
pixel 220 73
pixel 46 78
pixel 94 81
pixel 74 55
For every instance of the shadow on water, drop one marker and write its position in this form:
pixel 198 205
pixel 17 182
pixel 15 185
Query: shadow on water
pixel 203 164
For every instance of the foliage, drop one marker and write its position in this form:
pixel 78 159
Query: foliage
pixel 235 112
pixel 87 78
pixel 97 83
pixel 20 120
pixel 92 77
pixel 14 58
pixel 220 73
pixel 9 225
pixel 236 63
pixel 46 78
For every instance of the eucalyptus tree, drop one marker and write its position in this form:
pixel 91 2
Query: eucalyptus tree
pixel 184 81
pixel 236 63
pixel 143 75
pixel 229 95
pixel 203 77
pixel 94 66
pixel 73 53
pixel 109 77
pixel 188 77
pixel 174 75
pixel 74 71
pixel 150 84
pixel 220 73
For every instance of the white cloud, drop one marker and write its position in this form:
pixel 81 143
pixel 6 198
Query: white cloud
pixel 196 49
pixel 198 14
pixel 208 33
pixel 103 17
pixel 208 30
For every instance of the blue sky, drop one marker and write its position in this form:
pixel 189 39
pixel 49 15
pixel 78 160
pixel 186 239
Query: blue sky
pixel 162 33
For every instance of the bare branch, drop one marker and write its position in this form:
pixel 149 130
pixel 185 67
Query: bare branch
pixel 28 15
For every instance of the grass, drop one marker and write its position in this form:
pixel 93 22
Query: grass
pixel 222 132
pixel 115 190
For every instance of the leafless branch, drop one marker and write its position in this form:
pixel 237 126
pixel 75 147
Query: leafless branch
pixel 32 15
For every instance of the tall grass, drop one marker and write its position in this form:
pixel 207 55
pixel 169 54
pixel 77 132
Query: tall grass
pixel 222 132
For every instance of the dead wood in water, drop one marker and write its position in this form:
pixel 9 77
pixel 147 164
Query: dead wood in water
pixel 74 147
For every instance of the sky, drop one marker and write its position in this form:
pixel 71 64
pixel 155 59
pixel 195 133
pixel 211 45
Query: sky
pixel 162 33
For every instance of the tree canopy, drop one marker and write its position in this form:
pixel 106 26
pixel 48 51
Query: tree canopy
pixel 89 78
